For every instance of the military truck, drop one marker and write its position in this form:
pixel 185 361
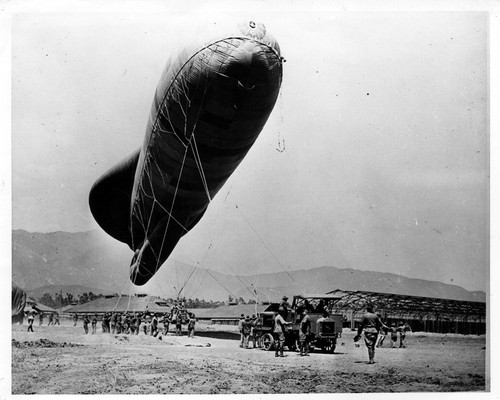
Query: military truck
pixel 324 330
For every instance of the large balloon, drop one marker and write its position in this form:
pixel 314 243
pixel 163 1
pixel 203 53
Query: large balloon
pixel 210 105
pixel 18 303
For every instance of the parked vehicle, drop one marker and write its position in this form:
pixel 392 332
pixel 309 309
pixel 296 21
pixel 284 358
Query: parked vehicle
pixel 326 328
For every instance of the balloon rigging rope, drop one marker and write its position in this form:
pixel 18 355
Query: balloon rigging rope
pixel 264 244
pixel 172 206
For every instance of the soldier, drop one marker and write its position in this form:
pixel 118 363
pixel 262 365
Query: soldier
pixel 279 332
pixel 381 334
pixel 394 335
pixel 285 305
pixel 146 324
pixel 106 322
pixel 51 319
pixel 113 322
pixel 138 322
pixel 240 329
pixel 75 319
pixel 31 318
pixel 166 323
pixel 56 319
pixel 133 320
pixel 371 325
pixel 191 325
pixel 304 332
pixel 246 328
pixel 118 326
pixel 154 326
pixel 253 323
pixel 40 318
pixel 94 324
pixel 126 323
pixel 402 328
pixel 178 323
pixel 86 322
pixel 381 337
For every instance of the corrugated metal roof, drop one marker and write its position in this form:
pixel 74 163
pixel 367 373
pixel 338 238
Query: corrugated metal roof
pixel 231 312
pixel 122 304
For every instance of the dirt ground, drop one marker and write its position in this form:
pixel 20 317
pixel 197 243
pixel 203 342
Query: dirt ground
pixel 63 360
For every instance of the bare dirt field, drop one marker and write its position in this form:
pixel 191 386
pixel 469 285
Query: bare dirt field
pixel 63 360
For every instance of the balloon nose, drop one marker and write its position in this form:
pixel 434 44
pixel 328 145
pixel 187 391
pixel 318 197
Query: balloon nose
pixel 249 63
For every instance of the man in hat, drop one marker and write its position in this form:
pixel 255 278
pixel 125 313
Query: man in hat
pixel 394 335
pixel 304 332
pixel 402 328
pixel 279 332
pixel 191 324
pixel 253 323
pixel 241 322
pixel 371 325
pixel 31 318
pixel 286 306
pixel 247 327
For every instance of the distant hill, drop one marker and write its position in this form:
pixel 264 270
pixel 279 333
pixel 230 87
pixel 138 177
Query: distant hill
pixel 62 258
pixel 81 262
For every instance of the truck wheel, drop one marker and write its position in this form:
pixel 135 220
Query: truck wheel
pixel 329 347
pixel 268 342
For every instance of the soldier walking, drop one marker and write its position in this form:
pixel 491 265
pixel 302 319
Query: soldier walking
pixel 371 325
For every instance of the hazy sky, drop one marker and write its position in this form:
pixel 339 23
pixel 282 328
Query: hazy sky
pixel 384 117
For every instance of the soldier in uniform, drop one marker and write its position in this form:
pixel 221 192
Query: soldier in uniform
pixel 166 323
pixel 154 325
pixel 94 324
pixel 191 325
pixel 304 332
pixel 246 328
pixel 86 322
pixel 138 321
pixel 285 305
pixel 178 323
pixel 394 335
pixel 31 318
pixel 279 332
pixel 240 329
pixel 113 322
pixel 253 323
pixel 371 325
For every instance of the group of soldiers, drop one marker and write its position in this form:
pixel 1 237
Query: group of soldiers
pixel 131 323
pixel 53 319
pixel 246 327
pixel 395 331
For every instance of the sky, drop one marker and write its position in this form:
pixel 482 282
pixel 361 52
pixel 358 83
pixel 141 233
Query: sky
pixel 384 115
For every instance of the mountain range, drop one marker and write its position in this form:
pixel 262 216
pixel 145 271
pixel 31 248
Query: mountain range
pixel 82 261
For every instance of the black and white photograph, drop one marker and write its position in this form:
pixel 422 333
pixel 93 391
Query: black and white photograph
pixel 256 197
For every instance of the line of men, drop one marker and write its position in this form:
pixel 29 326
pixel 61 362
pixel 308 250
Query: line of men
pixel 132 323
pixel 53 319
